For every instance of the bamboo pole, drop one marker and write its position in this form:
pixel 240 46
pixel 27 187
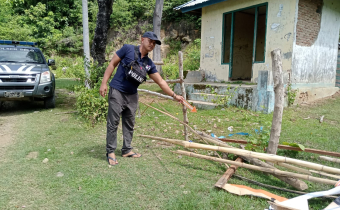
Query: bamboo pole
pixel 304 171
pixel 246 153
pixel 184 95
pixel 335 160
pixel 298 184
pixel 171 81
pixel 257 168
pixel 157 94
pixel 217 142
pixel 286 147
pixel 294 182
pixel 146 107
pixel 325 174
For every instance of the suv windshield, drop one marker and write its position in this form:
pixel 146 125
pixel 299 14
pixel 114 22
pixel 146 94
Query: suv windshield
pixel 20 55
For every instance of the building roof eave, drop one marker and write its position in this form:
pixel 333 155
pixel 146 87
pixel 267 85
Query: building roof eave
pixel 196 4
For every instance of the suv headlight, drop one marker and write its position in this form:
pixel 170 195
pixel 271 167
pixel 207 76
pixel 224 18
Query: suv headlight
pixel 45 77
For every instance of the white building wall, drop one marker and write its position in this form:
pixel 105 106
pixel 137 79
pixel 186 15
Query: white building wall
pixel 280 34
pixel 315 66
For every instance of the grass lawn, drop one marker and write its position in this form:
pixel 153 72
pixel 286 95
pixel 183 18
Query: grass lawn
pixel 77 175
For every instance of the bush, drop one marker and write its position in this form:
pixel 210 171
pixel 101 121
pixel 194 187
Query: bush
pixel 90 104
pixel 69 67
pixel 191 58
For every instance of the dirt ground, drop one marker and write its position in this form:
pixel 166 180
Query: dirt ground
pixel 7 122
pixel 10 113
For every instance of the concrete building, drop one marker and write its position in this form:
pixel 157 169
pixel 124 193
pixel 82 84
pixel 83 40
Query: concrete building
pixel 237 37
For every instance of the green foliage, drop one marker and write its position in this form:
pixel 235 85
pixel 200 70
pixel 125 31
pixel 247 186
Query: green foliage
pixel 259 141
pixel 291 94
pixel 225 98
pixel 54 25
pixel 91 105
pixel 295 145
pixel 171 15
pixel 170 67
pixel 69 67
pixel 192 56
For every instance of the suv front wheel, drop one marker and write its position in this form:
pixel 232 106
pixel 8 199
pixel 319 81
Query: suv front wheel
pixel 49 102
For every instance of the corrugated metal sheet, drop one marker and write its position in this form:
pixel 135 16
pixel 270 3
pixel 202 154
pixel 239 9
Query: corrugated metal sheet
pixel 191 3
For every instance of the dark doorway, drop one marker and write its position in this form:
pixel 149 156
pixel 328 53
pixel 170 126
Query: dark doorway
pixel 244 40
pixel 243 44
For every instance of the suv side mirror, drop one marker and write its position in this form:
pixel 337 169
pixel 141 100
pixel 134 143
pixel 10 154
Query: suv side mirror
pixel 51 62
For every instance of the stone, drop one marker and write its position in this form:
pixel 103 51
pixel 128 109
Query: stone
pixel 165 49
pixel 59 174
pixel 45 160
pixel 64 69
pixel 186 39
pixel 194 76
pixel 32 155
pixel 174 34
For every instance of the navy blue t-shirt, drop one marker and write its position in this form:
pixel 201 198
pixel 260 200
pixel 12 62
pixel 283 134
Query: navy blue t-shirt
pixel 127 54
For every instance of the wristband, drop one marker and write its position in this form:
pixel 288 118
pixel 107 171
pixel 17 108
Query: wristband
pixel 173 95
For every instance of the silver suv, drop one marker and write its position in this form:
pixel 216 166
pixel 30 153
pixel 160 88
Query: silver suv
pixel 25 74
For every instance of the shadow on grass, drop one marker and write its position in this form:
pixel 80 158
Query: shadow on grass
pixel 12 108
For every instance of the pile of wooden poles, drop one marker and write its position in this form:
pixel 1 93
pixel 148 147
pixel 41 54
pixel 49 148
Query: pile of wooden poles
pixel 254 158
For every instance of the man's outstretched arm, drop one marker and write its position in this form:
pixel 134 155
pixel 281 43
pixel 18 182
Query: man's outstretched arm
pixel 164 86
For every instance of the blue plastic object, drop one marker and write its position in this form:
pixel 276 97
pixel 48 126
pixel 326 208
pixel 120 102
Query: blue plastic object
pixel 241 133
pixel 11 42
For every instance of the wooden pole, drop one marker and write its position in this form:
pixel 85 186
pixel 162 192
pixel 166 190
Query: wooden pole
pixel 294 182
pixel 325 174
pixel 216 142
pixel 257 168
pixel 278 107
pixel 228 174
pixel 157 94
pixel 167 81
pixel 298 169
pixel 286 147
pixel 335 160
pixel 181 77
pixel 246 153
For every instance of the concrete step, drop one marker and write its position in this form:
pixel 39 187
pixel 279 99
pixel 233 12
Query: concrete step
pixel 208 97
pixel 203 105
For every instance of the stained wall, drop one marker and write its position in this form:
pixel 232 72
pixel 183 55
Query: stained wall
pixel 315 56
pixel 280 34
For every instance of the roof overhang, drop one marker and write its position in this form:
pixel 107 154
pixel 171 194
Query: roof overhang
pixel 196 5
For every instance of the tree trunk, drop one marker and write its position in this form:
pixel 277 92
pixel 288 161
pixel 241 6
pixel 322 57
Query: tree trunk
pixel 278 108
pixel 101 31
pixel 157 21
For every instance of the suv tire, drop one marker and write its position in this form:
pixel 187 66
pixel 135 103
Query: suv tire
pixel 49 102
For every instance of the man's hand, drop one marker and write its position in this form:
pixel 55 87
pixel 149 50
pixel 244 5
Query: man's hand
pixel 103 90
pixel 179 98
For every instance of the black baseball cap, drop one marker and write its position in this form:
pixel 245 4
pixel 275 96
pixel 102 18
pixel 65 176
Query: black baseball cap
pixel 151 35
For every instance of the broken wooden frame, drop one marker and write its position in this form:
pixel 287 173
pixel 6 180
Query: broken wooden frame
pixel 257 168
pixel 181 81
pixel 286 147
pixel 246 153
pixel 296 183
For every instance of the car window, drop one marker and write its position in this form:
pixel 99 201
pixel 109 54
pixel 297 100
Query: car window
pixel 20 55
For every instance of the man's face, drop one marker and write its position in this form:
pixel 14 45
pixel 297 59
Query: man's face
pixel 148 44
